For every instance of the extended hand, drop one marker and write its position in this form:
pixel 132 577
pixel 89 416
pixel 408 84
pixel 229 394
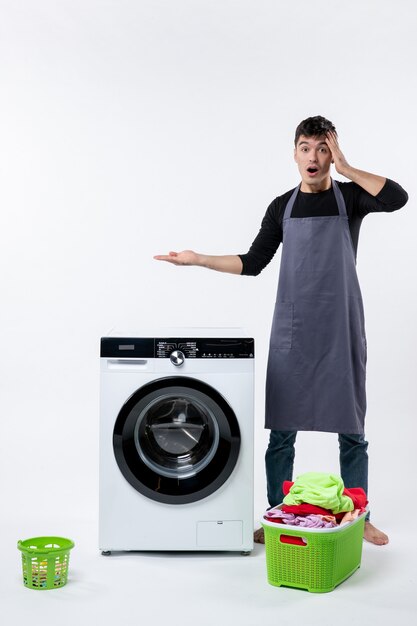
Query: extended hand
pixel 340 163
pixel 186 257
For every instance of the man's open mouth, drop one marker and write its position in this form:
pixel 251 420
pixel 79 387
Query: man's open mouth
pixel 312 170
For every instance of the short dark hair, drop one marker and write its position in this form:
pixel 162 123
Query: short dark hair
pixel 313 127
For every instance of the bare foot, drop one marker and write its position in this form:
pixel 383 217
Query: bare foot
pixel 258 536
pixel 373 535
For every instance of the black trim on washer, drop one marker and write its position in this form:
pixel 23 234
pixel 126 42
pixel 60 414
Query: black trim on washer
pixel 167 489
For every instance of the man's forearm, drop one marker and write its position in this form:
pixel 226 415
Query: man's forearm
pixel 230 263
pixel 370 182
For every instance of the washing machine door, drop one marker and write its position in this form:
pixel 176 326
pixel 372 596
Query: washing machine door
pixel 176 440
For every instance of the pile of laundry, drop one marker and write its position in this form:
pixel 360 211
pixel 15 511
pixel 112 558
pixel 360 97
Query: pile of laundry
pixel 318 500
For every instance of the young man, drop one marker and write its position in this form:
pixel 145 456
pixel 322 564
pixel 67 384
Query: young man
pixel 317 356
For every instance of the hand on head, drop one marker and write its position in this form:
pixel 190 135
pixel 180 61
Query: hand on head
pixel 338 158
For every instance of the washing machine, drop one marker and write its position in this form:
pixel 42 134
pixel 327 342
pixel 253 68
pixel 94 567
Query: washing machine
pixel 176 442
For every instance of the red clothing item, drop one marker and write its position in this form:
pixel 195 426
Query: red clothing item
pixel 306 509
pixel 358 496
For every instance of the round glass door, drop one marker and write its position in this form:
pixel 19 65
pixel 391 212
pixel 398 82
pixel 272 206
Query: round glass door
pixel 176 440
pixel 176 435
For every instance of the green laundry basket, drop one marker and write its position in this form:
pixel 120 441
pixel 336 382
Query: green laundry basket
pixel 323 558
pixel 45 561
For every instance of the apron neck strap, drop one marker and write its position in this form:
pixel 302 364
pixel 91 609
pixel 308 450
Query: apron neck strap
pixel 341 205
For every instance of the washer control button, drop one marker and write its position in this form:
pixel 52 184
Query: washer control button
pixel 177 357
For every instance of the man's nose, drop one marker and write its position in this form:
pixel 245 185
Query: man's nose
pixel 313 156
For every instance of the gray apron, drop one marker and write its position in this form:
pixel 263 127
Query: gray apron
pixel 317 353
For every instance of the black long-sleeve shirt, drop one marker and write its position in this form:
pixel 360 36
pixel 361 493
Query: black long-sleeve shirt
pixel 358 204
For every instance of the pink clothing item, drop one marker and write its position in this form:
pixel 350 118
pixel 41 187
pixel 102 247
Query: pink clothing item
pixel 303 521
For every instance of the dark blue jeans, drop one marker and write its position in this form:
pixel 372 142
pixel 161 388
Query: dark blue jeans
pixel 279 462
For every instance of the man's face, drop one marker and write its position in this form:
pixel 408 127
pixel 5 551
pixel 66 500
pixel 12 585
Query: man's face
pixel 313 158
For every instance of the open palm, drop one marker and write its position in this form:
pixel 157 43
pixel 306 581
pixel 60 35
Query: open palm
pixel 186 257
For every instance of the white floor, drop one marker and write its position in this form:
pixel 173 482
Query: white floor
pixel 202 589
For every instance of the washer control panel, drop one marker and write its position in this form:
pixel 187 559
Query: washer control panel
pixel 165 348
pixel 221 348
pixel 182 348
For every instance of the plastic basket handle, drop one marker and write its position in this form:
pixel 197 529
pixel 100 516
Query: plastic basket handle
pixel 293 540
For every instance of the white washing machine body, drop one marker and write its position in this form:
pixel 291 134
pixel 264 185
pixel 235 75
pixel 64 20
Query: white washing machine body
pixel 176 443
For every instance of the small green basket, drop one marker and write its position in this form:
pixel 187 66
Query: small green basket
pixel 324 558
pixel 45 561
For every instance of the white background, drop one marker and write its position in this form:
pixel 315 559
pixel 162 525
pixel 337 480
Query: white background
pixel 129 129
